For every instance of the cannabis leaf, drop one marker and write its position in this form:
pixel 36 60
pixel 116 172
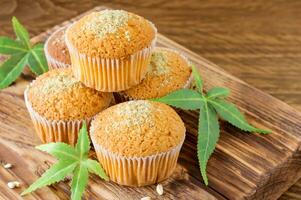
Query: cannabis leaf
pixel 210 105
pixel 208 134
pixel 21 53
pixel 56 173
pixel 230 113
pixel 37 60
pixel 198 80
pixel 21 33
pixel 217 92
pixel 9 46
pixel 179 99
pixel 71 160
pixel 61 151
pixel 12 73
pixel 79 182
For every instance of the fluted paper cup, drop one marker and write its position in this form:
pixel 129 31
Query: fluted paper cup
pixel 54 130
pixel 53 63
pixel 110 74
pixel 137 171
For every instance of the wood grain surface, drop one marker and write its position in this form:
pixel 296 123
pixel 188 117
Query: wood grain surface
pixel 257 41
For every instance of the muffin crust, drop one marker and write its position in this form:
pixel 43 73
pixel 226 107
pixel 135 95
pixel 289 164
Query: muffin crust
pixel 138 128
pixel 111 34
pixel 168 71
pixel 57 95
pixel 56 47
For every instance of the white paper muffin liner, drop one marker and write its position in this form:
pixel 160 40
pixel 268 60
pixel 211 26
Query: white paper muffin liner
pixel 137 171
pixel 122 97
pixel 110 74
pixel 54 130
pixel 52 62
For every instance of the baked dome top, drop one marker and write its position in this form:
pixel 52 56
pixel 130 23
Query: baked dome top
pixel 57 95
pixel 111 34
pixel 168 71
pixel 138 128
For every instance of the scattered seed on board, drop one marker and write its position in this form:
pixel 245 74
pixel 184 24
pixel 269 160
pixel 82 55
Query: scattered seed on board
pixel 13 184
pixel 145 198
pixel 8 166
pixel 159 189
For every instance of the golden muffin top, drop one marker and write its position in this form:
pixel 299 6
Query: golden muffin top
pixel 57 95
pixel 56 47
pixel 138 128
pixel 111 34
pixel 168 71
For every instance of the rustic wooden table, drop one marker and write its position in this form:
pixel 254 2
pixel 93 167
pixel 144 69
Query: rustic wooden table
pixel 257 41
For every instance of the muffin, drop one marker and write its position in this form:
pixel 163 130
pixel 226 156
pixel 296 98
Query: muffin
pixel 168 71
pixel 138 142
pixel 110 49
pixel 56 51
pixel 58 105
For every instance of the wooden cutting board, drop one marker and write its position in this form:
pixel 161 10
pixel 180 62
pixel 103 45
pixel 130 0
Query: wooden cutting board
pixel 244 166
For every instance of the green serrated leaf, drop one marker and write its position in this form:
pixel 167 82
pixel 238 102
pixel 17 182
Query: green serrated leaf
pixel 60 150
pixel 208 134
pixel 71 159
pixel 21 33
pixel 82 146
pixel 185 99
pixel 79 182
pixel 9 64
pixel 94 167
pixel 37 60
pixel 230 113
pixel 9 46
pixel 14 72
pixel 54 174
pixel 197 79
pixel 218 92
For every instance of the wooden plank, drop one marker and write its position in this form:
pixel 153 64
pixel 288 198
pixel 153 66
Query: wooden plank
pixel 244 166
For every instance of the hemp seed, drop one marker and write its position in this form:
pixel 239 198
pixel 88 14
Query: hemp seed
pixel 13 184
pixel 8 166
pixel 159 189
